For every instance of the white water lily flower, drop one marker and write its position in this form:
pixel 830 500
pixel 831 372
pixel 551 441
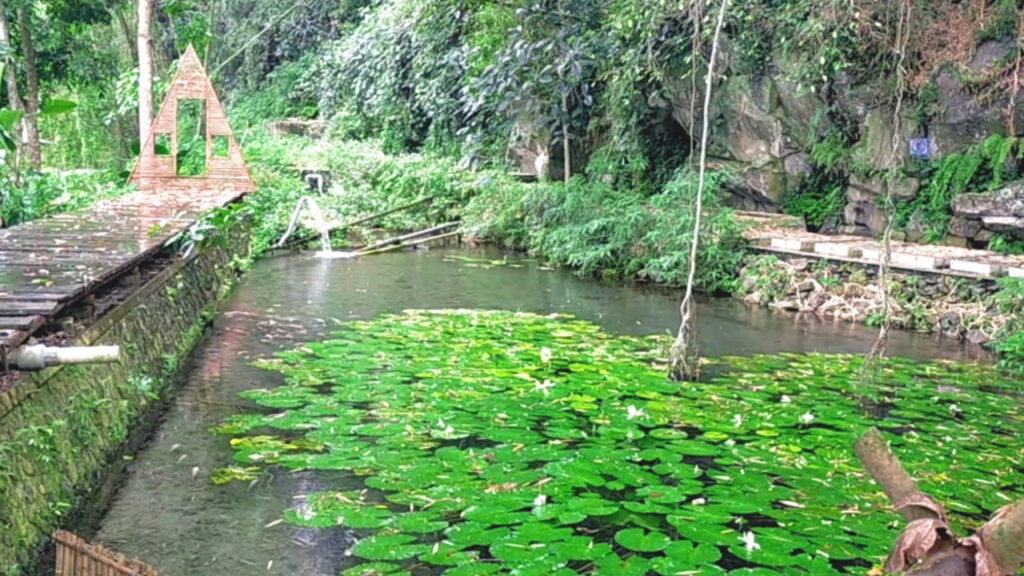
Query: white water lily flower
pixel 633 412
pixel 545 354
pixel 737 420
pixel 540 500
pixel 785 399
pixel 547 385
pixel 748 541
pixel 807 418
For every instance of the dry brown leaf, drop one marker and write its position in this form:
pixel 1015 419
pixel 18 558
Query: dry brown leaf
pixel 919 539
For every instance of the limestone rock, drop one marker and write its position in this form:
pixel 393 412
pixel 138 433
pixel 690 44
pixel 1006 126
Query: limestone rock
pixel 865 217
pixel 963 120
pixel 875 149
pixel 978 216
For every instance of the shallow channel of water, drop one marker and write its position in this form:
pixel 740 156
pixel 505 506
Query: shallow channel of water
pixel 169 514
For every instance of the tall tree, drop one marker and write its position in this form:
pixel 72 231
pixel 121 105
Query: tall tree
pixel 32 147
pixel 145 40
pixel 13 95
pixel 683 354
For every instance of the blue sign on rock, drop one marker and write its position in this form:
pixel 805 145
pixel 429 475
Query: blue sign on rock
pixel 920 148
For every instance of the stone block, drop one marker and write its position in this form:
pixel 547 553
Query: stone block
pixel 792 244
pixel 976 267
pixel 839 249
pixel 918 261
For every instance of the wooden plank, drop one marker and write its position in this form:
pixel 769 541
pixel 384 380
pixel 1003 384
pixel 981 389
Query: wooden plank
pixel 20 322
pixel 28 307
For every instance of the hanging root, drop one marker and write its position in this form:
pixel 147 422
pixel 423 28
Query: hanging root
pixel 684 363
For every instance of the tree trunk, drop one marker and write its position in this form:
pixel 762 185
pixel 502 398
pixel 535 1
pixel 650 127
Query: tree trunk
pixel 683 356
pixel 145 41
pixel 566 147
pixel 994 550
pixel 129 39
pixel 13 96
pixel 32 148
pixel 211 32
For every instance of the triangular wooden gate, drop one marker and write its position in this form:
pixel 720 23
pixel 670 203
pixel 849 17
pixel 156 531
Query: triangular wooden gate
pixel 224 172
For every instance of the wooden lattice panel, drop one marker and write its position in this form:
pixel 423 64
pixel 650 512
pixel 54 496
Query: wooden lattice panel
pixel 76 557
pixel 159 172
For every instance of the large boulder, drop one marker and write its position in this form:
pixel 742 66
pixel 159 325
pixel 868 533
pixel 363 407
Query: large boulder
pixel 977 216
pixel 863 214
pixel 800 109
pixel 751 133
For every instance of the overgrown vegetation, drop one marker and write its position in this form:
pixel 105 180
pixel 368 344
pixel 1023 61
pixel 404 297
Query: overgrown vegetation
pixel 981 168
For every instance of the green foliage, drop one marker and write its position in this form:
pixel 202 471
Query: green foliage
pixel 550 445
pixel 1009 342
pixel 598 229
pixel 284 93
pixel 1011 351
pixel 822 193
pixel 1006 245
pixel 47 193
pixel 815 203
pixel 981 168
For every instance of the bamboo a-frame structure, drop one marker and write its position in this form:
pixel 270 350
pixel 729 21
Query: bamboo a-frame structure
pixel 159 172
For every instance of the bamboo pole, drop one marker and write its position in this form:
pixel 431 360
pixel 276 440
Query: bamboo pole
pixel 400 246
pixel 363 220
pixel 401 239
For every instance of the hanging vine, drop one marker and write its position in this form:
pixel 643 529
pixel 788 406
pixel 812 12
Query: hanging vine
pixel 683 354
pixel 900 48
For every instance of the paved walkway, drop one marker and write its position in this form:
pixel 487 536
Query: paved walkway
pixel 775 233
pixel 47 265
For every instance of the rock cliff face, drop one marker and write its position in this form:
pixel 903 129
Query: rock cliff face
pixel 766 126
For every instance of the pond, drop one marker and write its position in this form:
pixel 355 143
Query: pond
pixel 474 439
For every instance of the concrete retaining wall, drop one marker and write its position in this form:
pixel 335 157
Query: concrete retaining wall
pixel 60 430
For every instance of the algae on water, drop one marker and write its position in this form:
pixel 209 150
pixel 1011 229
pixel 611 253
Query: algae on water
pixel 509 443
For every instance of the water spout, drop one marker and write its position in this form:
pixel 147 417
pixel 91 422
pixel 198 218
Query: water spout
pixel 318 221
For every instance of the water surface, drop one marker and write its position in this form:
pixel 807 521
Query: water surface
pixel 169 513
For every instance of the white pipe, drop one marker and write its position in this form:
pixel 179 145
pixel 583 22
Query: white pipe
pixel 40 356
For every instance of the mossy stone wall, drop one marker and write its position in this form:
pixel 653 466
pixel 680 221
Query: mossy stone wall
pixel 60 429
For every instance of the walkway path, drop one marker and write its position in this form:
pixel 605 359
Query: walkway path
pixel 774 233
pixel 47 265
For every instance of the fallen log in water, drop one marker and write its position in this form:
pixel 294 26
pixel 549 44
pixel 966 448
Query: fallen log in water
pixel 927 546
